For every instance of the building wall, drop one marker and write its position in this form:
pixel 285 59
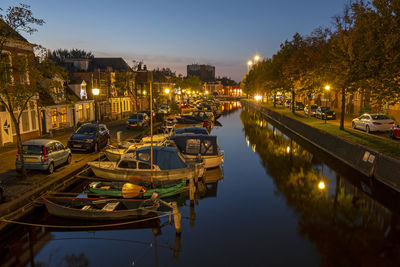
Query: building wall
pixel 206 73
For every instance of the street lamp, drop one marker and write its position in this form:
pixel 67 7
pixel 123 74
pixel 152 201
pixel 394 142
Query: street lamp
pixel 327 88
pixel 96 92
pixel 256 58
pixel 166 91
pixel 249 63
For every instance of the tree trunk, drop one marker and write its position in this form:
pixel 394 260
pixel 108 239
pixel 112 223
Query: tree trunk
pixel 343 109
pixel 274 100
pixel 19 145
pixel 293 98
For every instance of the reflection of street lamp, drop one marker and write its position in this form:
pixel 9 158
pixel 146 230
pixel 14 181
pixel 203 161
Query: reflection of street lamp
pixel 321 185
pixel 327 88
pixel 96 92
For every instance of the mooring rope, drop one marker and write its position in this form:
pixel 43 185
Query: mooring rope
pixel 84 226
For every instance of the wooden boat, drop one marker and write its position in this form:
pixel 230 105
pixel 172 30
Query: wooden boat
pixel 128 190
pixel 100 208
pixel 168 165
pixel 191 130
pixel 195 145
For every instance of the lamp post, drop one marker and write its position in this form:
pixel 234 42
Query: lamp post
pixel 327 88
pixel 249 63
pixel 96 92
pixel 256 58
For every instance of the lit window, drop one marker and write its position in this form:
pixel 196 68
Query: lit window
pixel 80 112
pixel 64 115
pixel 54 118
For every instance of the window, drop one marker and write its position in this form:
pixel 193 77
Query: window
pixel 144 166
pixel 193 146
pixel 80 112
pixel 25 121
pixel 87 106
pixel 207 148
pixel 143 156
pixel 33 119
pixel 21 67
pixel 5 65
pixel 127 164
pixel 50 148
pixel 54 117
pixel 63 115
pixel 59 146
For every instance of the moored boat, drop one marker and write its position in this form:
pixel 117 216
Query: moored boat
pixel 99 208
pixel 195 145
pixel 128 190
pixel 168 165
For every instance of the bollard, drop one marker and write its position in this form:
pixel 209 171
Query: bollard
pixel 192 189
pixel 177 218
pixel 119 137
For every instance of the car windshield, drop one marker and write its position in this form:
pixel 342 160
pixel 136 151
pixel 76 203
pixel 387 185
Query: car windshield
pixel 32 149
pixel 324 109
pixel 87 129
pixel 135 116
pixel 379 117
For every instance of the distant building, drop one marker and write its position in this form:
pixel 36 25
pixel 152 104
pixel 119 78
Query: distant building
pixel 206 73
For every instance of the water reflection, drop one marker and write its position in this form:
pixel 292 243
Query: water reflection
pixel 348 227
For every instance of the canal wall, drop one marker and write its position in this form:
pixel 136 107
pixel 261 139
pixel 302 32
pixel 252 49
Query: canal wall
pixel 365 160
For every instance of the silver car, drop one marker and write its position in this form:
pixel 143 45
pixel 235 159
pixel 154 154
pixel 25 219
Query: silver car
pixel 43 154
pixel 373 122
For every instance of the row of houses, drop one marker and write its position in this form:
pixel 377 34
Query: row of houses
pixel 91 94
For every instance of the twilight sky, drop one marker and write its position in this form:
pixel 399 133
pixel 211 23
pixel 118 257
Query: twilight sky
pixel 174 33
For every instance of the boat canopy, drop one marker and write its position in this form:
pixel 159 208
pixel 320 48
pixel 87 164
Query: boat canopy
pixel 195 144
pixel 191 130
pixel 166 158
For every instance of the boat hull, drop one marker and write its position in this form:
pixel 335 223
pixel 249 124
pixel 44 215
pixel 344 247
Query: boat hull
pixel 210 161
pixel 72 208
pixel 109 170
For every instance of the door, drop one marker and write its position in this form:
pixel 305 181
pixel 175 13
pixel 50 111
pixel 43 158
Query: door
pixel 43 120
pixel 61 154
pixel 6 130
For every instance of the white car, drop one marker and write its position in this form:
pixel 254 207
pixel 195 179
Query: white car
pixel 373 122
pixel 164 109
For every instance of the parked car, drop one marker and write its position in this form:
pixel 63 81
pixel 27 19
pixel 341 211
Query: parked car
pixel 147 112
pixel 43 154
pixel 137 119
pixel 310 109
pixel 373 122
pixel 325 113
pixel 164 109
pixel 298 106
pixel 395 132
pixel 89 137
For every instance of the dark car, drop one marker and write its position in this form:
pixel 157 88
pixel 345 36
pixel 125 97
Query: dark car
pixel 298 106
pixel 325 113
pixel 311 109
pixel 89 137
pixel 137 119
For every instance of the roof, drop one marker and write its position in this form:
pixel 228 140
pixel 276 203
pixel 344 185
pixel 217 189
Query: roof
pixel 104 63
pixel 5 29
pixel 191 130
pixel 39 142
pixel 194 144
pixel 166 158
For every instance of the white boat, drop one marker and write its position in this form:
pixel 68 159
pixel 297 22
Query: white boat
pixel 168 164
pixel 206 147
pixel 114 153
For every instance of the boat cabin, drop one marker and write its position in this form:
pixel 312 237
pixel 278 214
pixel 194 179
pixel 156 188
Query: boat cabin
pixel 196 144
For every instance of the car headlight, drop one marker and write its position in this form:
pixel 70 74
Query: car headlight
pixel 88 140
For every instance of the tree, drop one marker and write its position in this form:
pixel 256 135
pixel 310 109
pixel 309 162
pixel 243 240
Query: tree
pixel 60 55
pixel 24 77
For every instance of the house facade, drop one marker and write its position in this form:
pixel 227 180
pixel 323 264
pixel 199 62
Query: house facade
pixel 14 45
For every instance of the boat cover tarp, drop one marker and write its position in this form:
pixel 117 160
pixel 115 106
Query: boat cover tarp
pixel 193 130
pixel 166 158
pixel 194 144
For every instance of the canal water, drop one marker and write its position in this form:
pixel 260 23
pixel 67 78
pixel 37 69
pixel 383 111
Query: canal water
pixel 276 202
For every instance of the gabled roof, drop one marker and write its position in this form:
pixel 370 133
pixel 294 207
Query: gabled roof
pixel 113 63
pixel 6 30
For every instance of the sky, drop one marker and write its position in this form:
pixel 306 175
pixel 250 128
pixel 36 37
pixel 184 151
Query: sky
pixel 175 33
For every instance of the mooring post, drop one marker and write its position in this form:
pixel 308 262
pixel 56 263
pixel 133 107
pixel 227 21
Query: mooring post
pixel 192 189
pixel 119 138
pixel 177 218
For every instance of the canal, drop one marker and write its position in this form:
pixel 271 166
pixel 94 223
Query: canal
pixel 277 201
